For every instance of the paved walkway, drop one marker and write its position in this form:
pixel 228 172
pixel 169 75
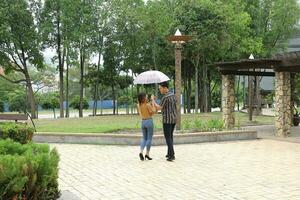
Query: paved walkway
pixel 257 169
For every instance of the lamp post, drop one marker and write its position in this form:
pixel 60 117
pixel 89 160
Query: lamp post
pixel 178 39
pixel 250 93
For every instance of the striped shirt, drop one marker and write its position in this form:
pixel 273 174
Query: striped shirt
pixel 168 108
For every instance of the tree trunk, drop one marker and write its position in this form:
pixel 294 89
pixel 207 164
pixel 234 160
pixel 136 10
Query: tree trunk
pixel 196 86
pixel 54 113
pixel 95 100
pixel 205 91
pixel 237 94
pixel 81 83
pixel 117 105
pixel 60 67
pixel 31 97
pixel 67 88
pixel 96 96
pixel 189 90
pixel 257 95
pixel 114 98
pixel 209 93
pixel 201 92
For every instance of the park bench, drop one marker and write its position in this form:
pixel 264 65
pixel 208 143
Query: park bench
pixel 16 117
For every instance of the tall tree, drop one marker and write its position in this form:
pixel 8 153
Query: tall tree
pixel 19 42
pixel 53 30
pixel 82 16
pixel 217 28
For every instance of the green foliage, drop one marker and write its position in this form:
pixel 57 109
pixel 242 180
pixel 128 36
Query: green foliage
pixel 200 125
pixel 20 43
pixel 50 101
pixel 186 124
pixel 273 22
pixel 124 100
pixel 17 132
pixel 75 103
pixel 17 101
pixel 29 171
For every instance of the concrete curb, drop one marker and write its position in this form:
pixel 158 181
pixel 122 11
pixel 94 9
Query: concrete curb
pixel 134 139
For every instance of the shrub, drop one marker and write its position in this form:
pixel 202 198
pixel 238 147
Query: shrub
pixel 215 124
pixel 200 125
pixel 16 131
pixel 28 171
pixel 75 103
pixel 186 124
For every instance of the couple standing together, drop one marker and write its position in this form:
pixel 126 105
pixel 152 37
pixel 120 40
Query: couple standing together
pixel 169 112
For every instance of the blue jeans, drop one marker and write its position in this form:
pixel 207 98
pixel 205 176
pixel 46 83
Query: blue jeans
pixel 147 129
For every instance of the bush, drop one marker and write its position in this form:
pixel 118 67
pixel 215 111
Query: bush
pixel 215 125
pixel 75 103
pixel 28 171
pixel 200 125
pixel 16 131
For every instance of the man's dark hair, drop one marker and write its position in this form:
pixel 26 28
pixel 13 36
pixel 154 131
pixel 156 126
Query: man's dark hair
pixel 164 84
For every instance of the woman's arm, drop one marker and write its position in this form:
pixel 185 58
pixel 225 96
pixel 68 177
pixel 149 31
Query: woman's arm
pixel 157 107
pixel 151 107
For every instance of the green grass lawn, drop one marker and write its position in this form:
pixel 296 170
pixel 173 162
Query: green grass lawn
pixel 110 123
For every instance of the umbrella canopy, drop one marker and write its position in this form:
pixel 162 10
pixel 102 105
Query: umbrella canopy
pixel 150 77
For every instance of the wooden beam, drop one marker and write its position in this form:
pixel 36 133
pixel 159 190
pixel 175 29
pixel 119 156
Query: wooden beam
pixel 247 73
pixel 295 69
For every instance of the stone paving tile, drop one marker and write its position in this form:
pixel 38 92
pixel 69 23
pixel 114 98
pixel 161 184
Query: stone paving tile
pixel 257 169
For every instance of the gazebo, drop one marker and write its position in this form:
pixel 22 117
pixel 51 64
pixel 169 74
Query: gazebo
pixel 281 66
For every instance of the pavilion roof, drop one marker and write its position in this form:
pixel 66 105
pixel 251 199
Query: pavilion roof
pixel 285 62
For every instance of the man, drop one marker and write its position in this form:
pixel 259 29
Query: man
pixel 168 108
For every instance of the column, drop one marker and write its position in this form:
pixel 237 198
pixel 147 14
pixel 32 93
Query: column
pixel 283 113
pixel 228 100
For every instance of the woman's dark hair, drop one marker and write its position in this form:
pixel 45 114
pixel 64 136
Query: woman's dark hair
pixel 141 97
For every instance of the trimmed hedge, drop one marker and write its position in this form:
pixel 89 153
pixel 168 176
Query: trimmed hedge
pixel 28 171
pixel 17 132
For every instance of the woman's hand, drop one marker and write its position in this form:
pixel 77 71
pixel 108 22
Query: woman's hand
pixel 153 98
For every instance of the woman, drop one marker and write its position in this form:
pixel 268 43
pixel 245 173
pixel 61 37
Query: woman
pixel 146 111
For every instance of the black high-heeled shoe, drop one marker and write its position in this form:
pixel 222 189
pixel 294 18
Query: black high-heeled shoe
pixel 147 157
pixel 141 156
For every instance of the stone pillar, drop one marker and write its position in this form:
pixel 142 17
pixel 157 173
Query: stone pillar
pixel 228 100
pixel 178 48
pixel 283 113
